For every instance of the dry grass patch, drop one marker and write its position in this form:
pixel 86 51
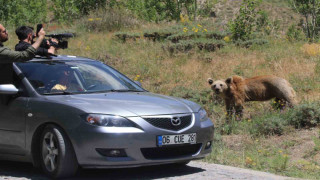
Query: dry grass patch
pixel 237 142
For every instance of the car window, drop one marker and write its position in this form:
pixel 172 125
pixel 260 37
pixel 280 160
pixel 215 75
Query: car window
pixel 55 77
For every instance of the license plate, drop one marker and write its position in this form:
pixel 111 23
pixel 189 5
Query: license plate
pixel 177 139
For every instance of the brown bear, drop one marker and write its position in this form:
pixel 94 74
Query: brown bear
pixel 236 90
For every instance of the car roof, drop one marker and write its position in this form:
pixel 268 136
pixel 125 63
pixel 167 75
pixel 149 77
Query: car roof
pixel 61 57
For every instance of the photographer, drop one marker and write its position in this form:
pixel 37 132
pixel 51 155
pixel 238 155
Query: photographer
pixel 9 56
pixel 26 35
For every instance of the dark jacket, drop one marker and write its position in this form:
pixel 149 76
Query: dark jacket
pixel 21 46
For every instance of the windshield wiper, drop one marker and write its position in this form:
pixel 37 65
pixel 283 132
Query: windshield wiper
pixel 125 90
pixel 59 93
pixel 113 90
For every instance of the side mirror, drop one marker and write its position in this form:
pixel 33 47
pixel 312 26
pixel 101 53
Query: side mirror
pixel 8 89
pixel 138 82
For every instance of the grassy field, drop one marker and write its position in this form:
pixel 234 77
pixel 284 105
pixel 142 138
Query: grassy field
pixel 285 143
pixel 295 153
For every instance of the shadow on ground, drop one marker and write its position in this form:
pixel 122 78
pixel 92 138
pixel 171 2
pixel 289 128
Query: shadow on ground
pixel 12 170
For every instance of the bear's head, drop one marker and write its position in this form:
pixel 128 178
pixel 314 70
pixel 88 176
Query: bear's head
pixel 219 86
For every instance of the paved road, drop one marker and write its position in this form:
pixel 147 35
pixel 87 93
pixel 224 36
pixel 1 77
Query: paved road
pixel 195 170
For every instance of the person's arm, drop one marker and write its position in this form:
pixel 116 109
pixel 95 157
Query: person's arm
pixel 52 50
pixel 42 51
pixel 9 56
pixel 38 42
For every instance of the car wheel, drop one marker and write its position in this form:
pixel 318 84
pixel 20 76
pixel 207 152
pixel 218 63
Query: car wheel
pixel 57 155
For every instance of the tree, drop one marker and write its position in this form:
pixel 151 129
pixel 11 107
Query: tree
pixel 310 10
pixel 243 25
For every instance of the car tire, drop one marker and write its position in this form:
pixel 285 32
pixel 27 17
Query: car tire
pixel 57 156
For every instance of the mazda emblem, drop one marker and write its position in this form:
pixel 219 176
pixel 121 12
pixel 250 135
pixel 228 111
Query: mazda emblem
pixel 176 121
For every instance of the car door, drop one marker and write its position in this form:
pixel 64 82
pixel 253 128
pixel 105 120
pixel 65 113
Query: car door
pixel 12 121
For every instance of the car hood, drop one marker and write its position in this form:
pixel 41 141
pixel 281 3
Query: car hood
pixel 127 103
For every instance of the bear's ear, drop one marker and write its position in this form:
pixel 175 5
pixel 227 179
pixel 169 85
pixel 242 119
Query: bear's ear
pixel 210 81
pixel 229 80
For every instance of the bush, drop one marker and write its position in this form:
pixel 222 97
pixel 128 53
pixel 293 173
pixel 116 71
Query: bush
pixel 243 26
pixel 175 38
pixel 108 20
pixel 124 36
pixel 147 10
pixel 65 10
pixel 86 6
pixel 271 124
pixel 305 115
pixel 252 42
pixel 295 33
pixel 21 12
pixel 156 10
pixel 201 44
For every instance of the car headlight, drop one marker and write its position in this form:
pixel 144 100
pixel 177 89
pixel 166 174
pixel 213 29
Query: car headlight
pixel 203 115
pixel 108 120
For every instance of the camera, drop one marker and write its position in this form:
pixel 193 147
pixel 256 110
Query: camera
pixel 62 39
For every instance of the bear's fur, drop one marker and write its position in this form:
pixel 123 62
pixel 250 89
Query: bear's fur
pixel 236 90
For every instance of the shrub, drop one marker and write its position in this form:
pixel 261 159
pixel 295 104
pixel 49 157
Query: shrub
pixel 295 33
pixel 201 44
pixel 175 38
pixel 270 124
pixel 21 12
pixel 124 36
pixel 85 6
pixel 147 10
pixel 157 10
pixel 304 115
pixel 252 42
pixel 157 35
pixel 65 10
pixel 204 33
pixel 280 162
pixel 262 20
pixel 107 20
pixel 243 26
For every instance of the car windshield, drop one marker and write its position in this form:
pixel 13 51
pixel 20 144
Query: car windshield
pixel 72 77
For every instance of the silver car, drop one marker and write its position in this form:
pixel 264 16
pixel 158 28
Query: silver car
pixel 69 111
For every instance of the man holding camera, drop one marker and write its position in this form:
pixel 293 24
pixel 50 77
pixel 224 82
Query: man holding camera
pixel 26 35
pixel 9 56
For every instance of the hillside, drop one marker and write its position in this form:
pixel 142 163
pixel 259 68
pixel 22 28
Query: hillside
pixel 279 12
pixel 176 58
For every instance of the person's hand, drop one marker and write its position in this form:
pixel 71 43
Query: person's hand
pixel 41 33
pixel 52 50
pixel 54 40
pixel 38 42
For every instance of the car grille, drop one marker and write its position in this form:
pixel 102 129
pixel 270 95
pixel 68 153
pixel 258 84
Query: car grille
pixel 170 152
pixel 165 122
